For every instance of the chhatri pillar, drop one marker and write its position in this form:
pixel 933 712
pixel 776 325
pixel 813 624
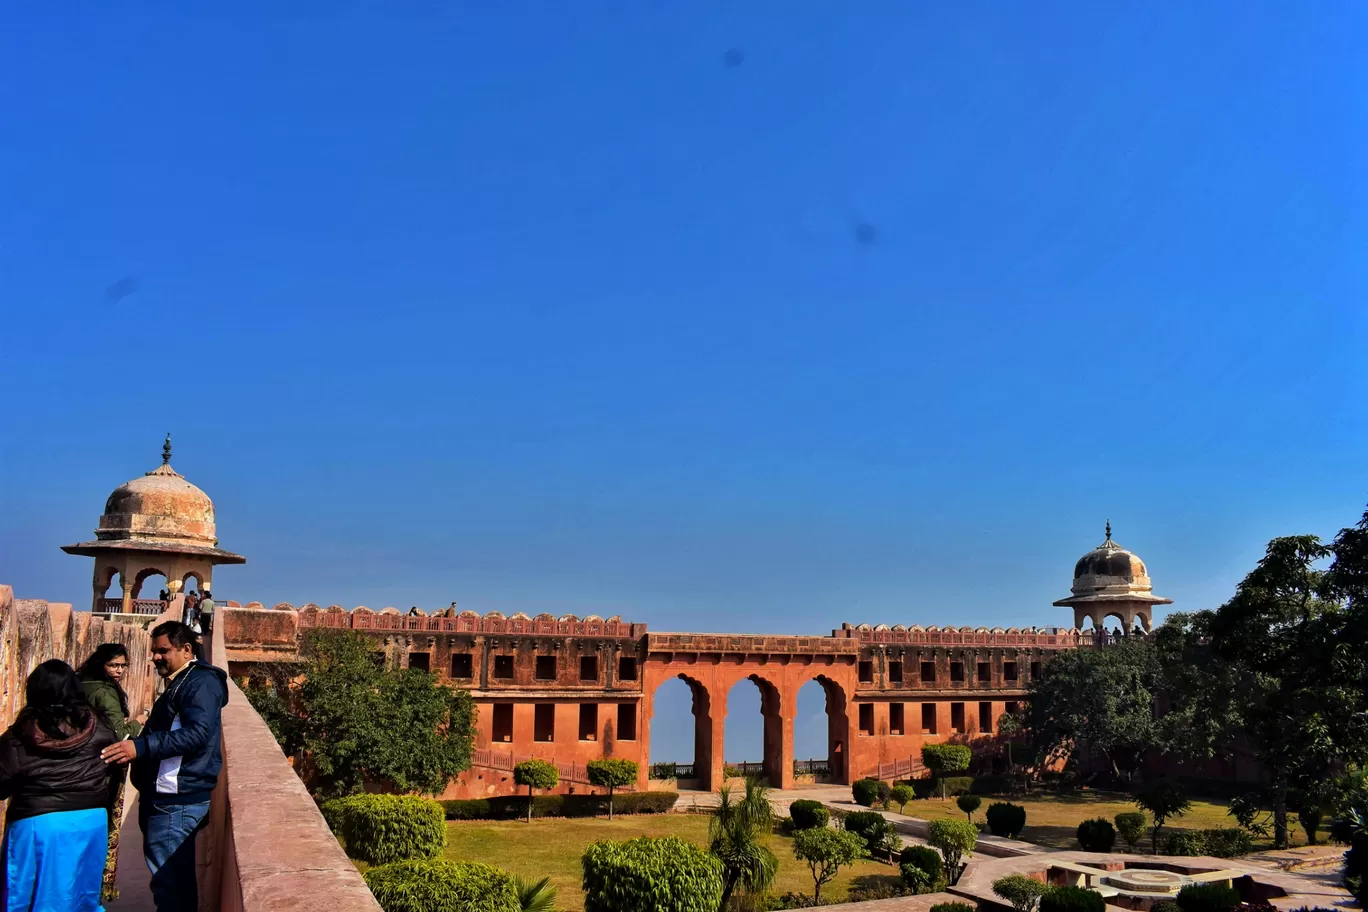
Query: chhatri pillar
pixel 157 524
pixel 1110 581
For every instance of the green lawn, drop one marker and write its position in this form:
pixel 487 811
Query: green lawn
pixel 553 846
pixel 1052 819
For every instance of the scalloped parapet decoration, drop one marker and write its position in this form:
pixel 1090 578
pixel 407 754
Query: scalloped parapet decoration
pixel 255 606
pixel 282 606
pixel 952 635
pixel 469 622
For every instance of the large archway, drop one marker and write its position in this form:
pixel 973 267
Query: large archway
pixel 746 744
pixel 821 727
pixel 671 701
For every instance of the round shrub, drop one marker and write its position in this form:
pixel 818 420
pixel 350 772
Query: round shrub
pixel 946 758
pixel 380 829
pixel 1231 842
pixel 1021 891
pixel 1210 897
pixel 1005 819
pixel 664 875
pixel 1185 842
pixel 969 804
pixel 927 860
pixel 885 792
pixel 1132 825
pixel 865 792
pixel 953 907
pixel 1096 835
pixel 1072 899
pixel 1166 905
pixel 442 886
pixel 955 839
pixel 901 794
pixel 808 814
pixel 878 832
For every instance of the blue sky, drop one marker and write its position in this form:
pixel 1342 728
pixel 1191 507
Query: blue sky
pixel 554 307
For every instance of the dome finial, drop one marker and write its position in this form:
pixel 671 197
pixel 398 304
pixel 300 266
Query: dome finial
pixel 166 450
pixel 1108 521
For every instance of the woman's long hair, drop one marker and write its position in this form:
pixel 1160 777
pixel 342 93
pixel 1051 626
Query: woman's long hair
pixel 93 668
pixel 53 698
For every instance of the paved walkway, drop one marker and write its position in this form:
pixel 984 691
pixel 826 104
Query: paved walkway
pixel 135 893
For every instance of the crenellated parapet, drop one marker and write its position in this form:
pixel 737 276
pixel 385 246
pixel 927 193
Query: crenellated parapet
pixel 1054 638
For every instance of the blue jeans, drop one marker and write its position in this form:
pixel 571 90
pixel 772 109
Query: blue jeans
pixel 169 849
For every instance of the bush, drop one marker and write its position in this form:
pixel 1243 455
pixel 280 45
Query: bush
pixel 664 770
pixel 865 792
pixel 665 875
pixel 1005 819
pixel 957 785
pixel 808 814
pixel 379 829
pixel 1212 897
pixel 955 839
pixel 508 807
pixel 885 792
pixel 788 900
pixel 442 886
pixel 1184 842
pixel 1096 835
pixel 1166 905
pixel 1219 843
pixel 1021 891
pixel 535 774
pixel 1072 899
pixel 612 774
pixel 901 794
pixel 869 887
pixel 826 852
pixel 1132 825
pixel 946 758
pixel 913 878
pixel 992 785
pixel 953 907
pixel 924 788
pixel 928 861
pixel 879 834
pixel 969 804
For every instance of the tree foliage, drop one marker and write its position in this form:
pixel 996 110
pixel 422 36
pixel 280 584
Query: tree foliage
pixel 826 851
pixel 535 774
pixel 1163 799
pixel 734 834
pixel 612 774
pixel 352 722
pixel 1021 891
pixel 955 839
pixel 664 875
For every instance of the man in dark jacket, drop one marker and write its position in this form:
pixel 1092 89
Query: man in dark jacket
pixel 176 762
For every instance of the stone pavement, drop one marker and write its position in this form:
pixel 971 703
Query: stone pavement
pixel 135 893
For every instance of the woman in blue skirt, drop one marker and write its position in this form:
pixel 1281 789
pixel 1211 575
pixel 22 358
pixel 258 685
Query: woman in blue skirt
pixel 56 826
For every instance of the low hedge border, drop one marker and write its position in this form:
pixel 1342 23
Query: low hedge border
pixel 511 807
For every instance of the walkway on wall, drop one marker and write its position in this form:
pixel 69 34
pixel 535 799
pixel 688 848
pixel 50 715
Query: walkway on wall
pixel 135 891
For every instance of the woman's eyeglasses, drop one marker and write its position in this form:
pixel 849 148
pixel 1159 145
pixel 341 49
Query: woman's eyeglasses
pixel 117 665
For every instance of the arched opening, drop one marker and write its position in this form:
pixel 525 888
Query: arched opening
pixel 150 579
pixel 751 749
pixel 187 586
pixel 673 740
pixel 1117 630
pixel 818 746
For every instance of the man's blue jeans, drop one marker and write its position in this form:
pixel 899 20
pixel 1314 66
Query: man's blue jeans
pixel 169 848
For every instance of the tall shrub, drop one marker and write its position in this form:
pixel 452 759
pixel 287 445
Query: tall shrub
pixel 442 886
pixel 1096 835
pixel 826 852
pixel 535 774
pixel 748 867
pixel 808 814
pixel 379 829
pixel 902 793
pixel 1005 819
pixel 955 839
pixel 969 804
pixel 1131 825
pixel 663 875
pixel 944 759
pixel 612 774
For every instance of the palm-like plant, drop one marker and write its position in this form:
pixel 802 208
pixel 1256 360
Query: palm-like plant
pixel 734 839
pixel 535 896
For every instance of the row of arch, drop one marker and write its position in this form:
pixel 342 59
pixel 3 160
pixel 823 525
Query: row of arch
pixel 108 575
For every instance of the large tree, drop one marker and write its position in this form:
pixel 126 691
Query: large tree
pixel 1095 700
pixel 353 721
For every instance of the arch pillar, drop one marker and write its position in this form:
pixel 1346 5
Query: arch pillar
pixel 126 584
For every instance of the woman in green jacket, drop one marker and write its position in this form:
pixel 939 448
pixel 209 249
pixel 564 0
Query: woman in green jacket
pixel 100 677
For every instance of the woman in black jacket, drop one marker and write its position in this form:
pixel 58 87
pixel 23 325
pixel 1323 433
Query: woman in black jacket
pixel 56 826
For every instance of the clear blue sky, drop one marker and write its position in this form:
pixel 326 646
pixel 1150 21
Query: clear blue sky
pixel 556 307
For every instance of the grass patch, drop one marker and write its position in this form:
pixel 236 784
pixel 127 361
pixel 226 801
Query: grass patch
pixel 1052 819
pixel 551 847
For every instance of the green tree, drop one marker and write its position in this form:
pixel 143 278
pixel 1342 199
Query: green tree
pixel 903 793
pixel 734 834
pixel 353 722
pixel 1095 700
pixel 1010 726
pixel 944 759
pixel 1021 891
pixel 826 851
pixel 611 774
pixel 1131 825
pixel 535 774
pixel 955 839
pixel 968 804
pixel 1163 799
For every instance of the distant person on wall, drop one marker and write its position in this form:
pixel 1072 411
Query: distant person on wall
pixel 205 614
pixel 176 762
pixel 188 610
pixel 56 825
pixel 102 680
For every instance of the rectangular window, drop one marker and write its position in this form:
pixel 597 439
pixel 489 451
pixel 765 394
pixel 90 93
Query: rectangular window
pixel 928 718
pixel 866 672
pixel 462 665
pixel 1009 671
pixel 503 723
pixel 626 669
pixel 957 718
pixel 895 718
pixel 588 668
pixel 544 722
pixel 503 668
pixel 1035 671
pixel 895 672
pixel 866 718
pixel 985 717
pixel 928 672
pixel 1013 706
pixel 422 660
pixel 956 672
pixel 588 727
pixel 626 724
pixel 546 668
pixel 985 673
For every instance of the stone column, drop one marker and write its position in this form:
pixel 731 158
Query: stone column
pixel 127 585
pixel 786 713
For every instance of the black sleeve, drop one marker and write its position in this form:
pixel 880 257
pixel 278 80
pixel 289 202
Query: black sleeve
pixel 9 765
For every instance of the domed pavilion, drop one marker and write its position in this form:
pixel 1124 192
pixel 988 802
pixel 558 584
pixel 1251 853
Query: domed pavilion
pixel 156 524
pixel 1110 581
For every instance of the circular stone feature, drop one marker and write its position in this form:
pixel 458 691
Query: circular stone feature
pixel 1145 881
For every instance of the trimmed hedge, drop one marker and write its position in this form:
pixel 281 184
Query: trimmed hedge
pixel 379 829
pixel 954 786
pixel 1218 843
pixel 1210 897
pixel 954 907
pixel 880 835
pixel 1072 899
pixel 442 886
pixel 808 814
pixel 510 807
pixel 928 861
pixel 1005 819
pixel 1096 835
pixel 865 792
pixel 663 875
